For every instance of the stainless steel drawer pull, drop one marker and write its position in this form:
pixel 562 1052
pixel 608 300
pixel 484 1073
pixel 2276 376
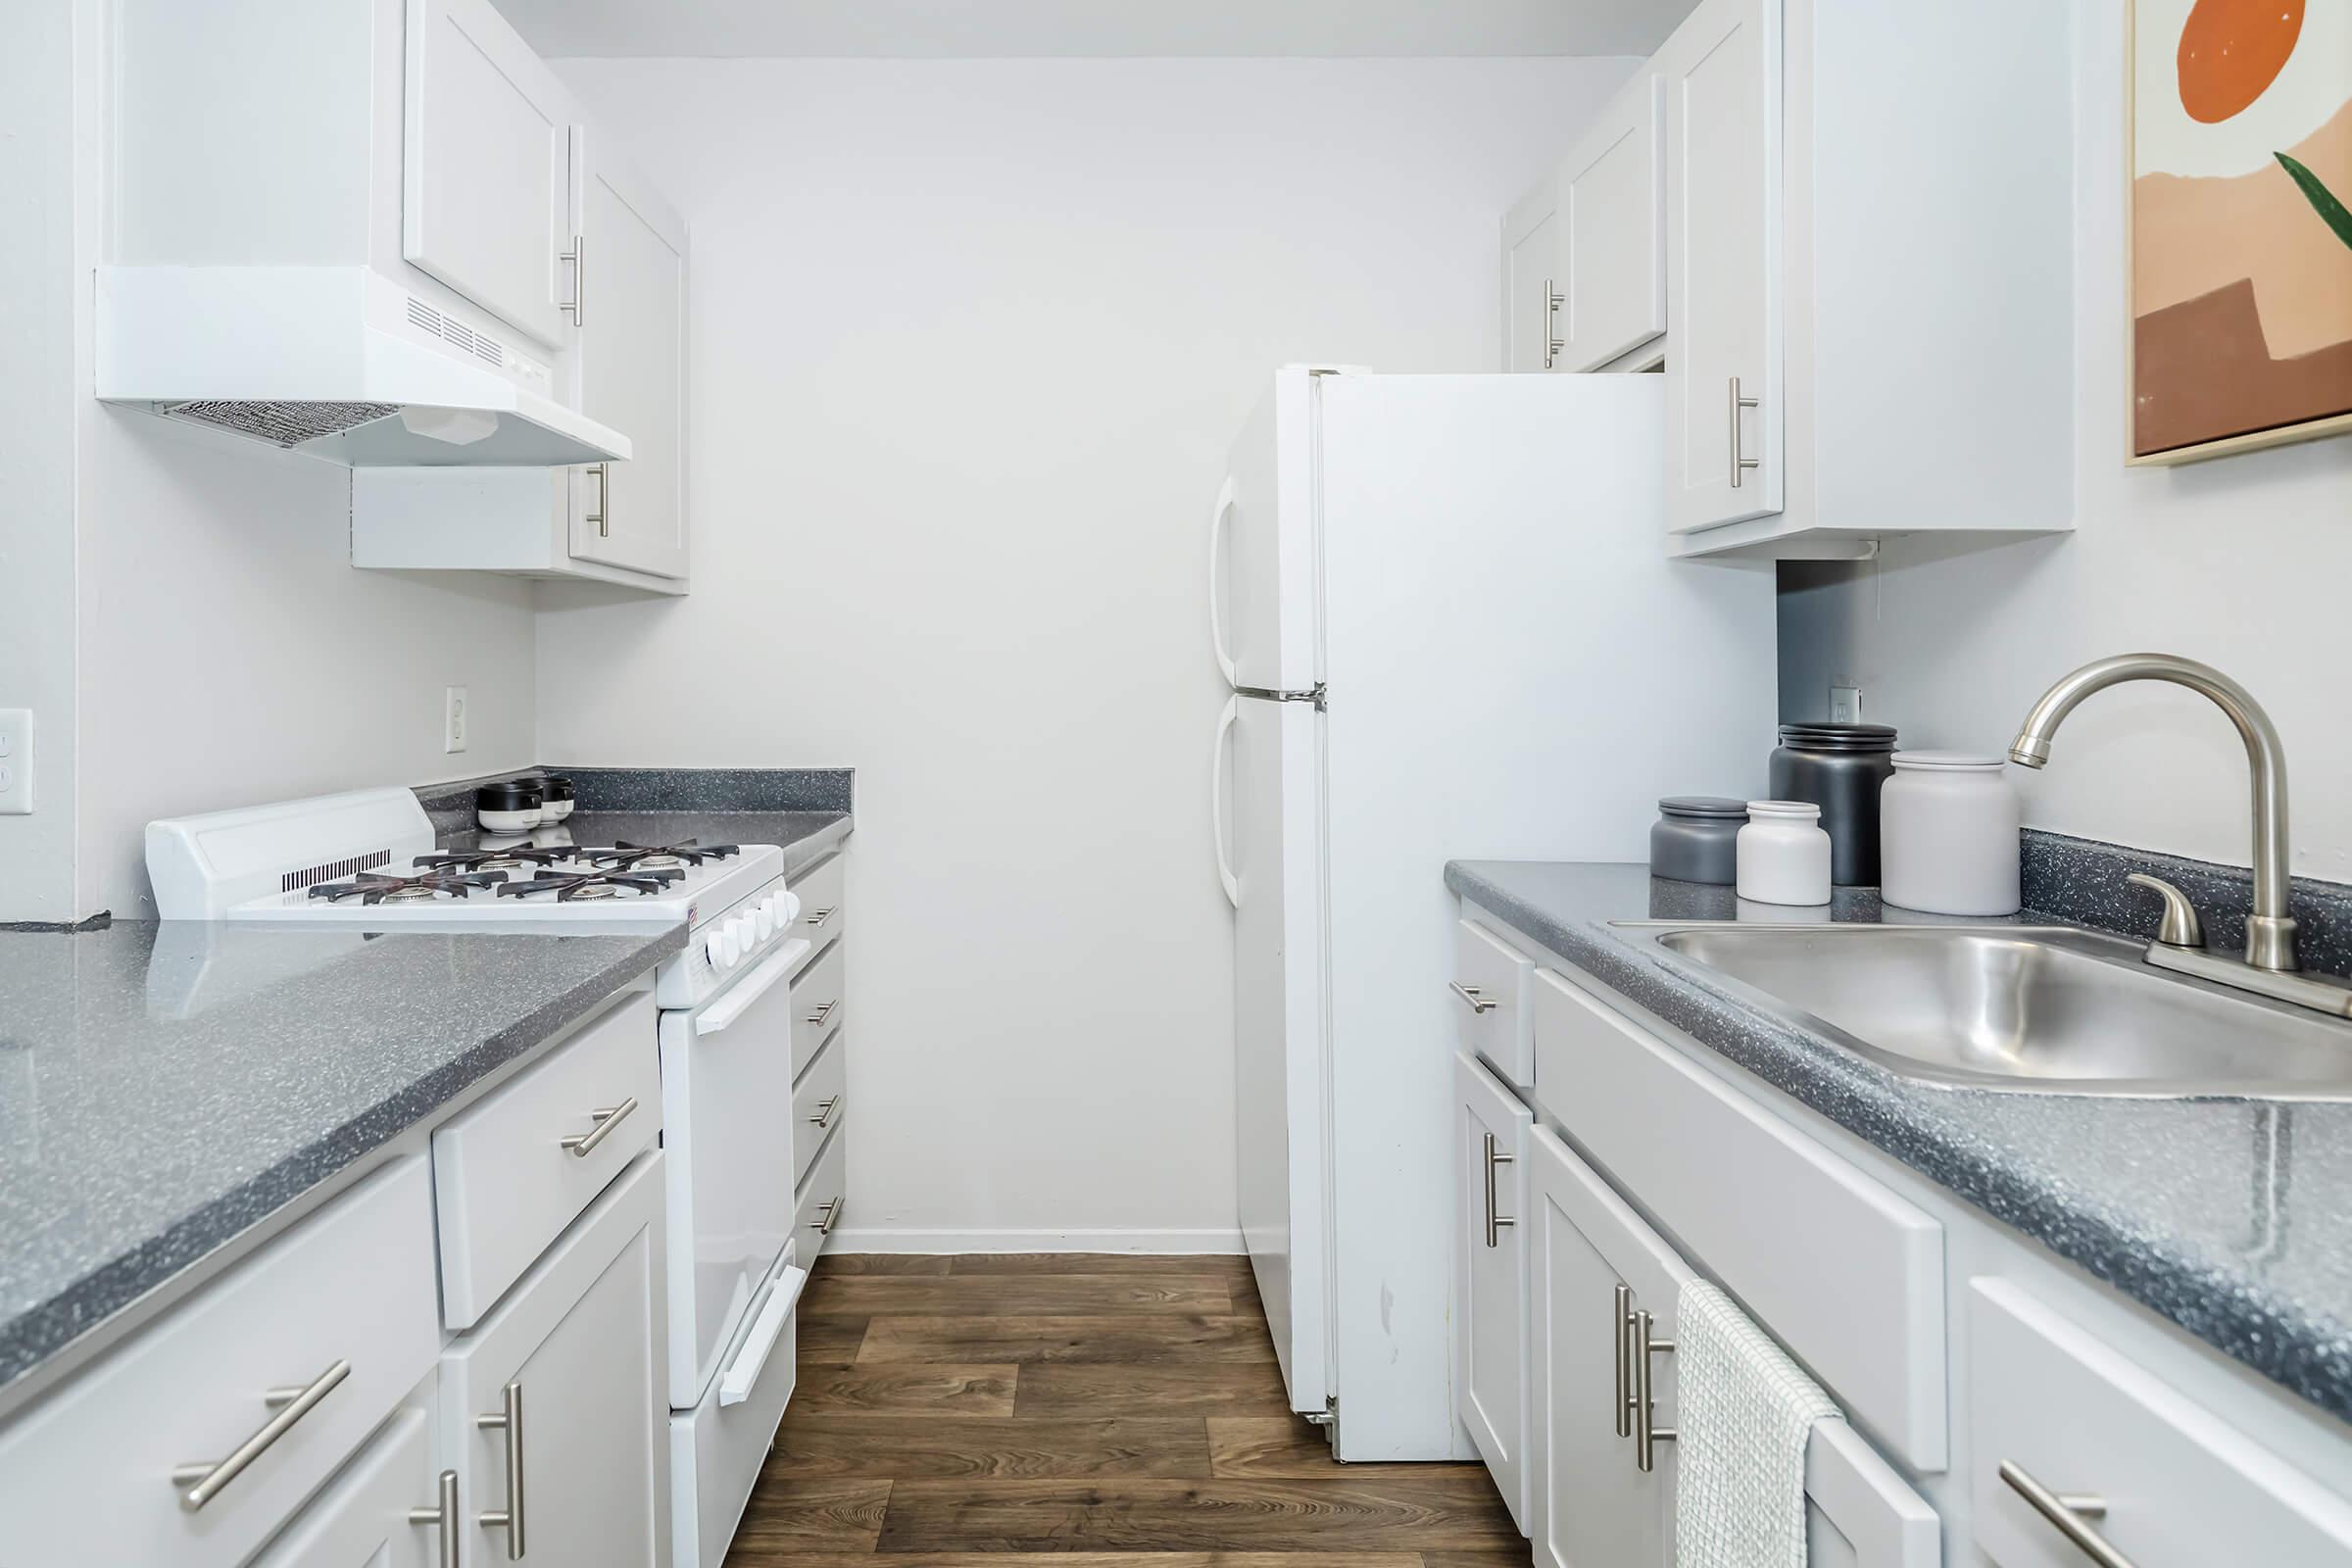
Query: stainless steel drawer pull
pixel 446 1517
pixel 1470 994
pixel 582 1145
pixel 823 915
pixel 1553 343
pixel 205 1481
pixel 1621 1329
pixel 507 1418
pixel 577 256
pixel 825 1011
pixel 832 1217
pixel 1740 465
pixel 824 1111
pixel 2068 1513
pixel 1495 1221
pixel 602 516
pixel 1647 1434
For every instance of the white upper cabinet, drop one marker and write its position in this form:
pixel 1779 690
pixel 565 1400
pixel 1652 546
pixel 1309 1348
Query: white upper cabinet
pixel 1531 262
pixel 631 307
pixel 1722 76
pixel 1612 231
pixel 486 166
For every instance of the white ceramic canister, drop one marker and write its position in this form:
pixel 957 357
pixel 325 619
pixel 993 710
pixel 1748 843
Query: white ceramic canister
pixel 1784 856
pixel 1948 835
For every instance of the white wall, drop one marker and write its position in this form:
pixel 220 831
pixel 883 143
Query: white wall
pixel 2243 563
pixel 971 341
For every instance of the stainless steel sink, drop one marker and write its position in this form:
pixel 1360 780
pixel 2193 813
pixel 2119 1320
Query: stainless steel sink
pixel 2025 1008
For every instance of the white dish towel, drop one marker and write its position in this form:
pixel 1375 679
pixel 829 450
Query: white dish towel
pixel 1744 1410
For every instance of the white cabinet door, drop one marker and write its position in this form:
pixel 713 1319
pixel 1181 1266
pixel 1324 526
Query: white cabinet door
pixel 1722 73
pixel 387 1509
pixel 1613 230
pixel 568 1372
pixel 1489 1277
pixel 485 189
pixel 1531 279
pixel 632 361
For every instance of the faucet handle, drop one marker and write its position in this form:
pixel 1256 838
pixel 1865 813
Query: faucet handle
pixel 2180 928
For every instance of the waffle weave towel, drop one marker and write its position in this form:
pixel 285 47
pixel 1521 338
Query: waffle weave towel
pixel 1743 1411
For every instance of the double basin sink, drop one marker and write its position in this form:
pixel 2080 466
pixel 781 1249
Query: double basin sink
pixel 2051 1009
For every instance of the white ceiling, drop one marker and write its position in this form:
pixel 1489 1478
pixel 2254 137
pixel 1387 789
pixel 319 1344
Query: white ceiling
pixel 1093 28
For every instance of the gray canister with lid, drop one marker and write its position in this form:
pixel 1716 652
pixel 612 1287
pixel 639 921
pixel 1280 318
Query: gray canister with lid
pixel 1840 769
pixel 1697 838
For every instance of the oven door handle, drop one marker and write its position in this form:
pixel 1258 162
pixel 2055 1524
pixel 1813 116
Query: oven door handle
pixel 750 988
pixel 742 1375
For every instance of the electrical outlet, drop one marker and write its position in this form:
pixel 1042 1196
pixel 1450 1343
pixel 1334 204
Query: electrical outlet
pixel 15 762
pixel 452 718
pixel 1846 704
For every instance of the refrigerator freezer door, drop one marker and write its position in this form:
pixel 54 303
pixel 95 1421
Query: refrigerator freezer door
pixel 1262 588
pixel 1279 1067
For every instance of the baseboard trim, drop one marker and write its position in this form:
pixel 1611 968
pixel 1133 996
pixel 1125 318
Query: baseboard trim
pixel 875 1238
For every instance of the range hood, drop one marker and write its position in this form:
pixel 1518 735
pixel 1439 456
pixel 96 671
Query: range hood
pixel 339 361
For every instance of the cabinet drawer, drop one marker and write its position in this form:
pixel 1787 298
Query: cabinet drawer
pixel 1844 1272
pixel 505 1182
pixel 823 913
pixel 89 1477
pixel 1490 980
pixel 2075 1416
pixel 363 1520
pixel 816 1006
pixel 821 1197
pixel 817 1104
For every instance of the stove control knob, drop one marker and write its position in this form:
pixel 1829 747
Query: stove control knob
pixel 740 931
pixel 714 948
pixel 764 919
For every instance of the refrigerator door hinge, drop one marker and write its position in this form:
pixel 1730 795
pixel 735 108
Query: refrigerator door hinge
pixel 1328 1419
pixel 1317 693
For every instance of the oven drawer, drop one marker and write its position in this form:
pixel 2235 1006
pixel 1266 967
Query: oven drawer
pixel 511 1171
pixel 816 1006
pixel 341 1307
pixel 716 1448
pixel 823 915
pixel 823 1194
pixel 818 1103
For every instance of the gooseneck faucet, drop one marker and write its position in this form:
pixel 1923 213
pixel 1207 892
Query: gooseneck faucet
pixel 2270 929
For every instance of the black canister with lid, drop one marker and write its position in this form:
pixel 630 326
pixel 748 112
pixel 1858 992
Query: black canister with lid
pixel 1697 838
pixel 1839 768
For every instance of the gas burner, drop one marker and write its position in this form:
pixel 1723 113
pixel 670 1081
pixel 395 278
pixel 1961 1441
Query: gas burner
pixel 371 887
pixel 622 856
pixel 519 858
pixel 572 886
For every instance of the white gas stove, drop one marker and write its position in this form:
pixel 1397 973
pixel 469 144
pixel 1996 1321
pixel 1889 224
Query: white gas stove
pixel 366 859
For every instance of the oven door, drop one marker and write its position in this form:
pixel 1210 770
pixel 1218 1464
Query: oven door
pixel 726 1122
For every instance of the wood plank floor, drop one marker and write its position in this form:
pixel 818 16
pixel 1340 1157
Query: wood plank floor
pixel 1077 1412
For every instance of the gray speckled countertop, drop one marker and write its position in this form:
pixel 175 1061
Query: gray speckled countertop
pixel 166 1087
pixel 807 837
pixel 2230 1217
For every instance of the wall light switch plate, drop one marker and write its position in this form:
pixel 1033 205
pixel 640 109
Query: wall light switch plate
pixel 1846 704
pixel 15 762
pixel 454 718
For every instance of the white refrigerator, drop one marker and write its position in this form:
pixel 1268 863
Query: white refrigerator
pixel 1444 605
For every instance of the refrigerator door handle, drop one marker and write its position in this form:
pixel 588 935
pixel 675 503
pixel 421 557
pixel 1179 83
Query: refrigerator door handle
pixel 1216 799
pixel 1217 580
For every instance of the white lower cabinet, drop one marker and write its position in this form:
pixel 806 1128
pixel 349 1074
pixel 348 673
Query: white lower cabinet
pixel 554 1410
pixel 1490 1276
pixel 389 1508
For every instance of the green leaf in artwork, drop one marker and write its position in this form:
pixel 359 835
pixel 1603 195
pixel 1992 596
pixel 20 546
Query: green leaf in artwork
pixel 2322 200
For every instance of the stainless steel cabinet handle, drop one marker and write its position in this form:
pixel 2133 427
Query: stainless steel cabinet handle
pixel 825 1011
pixel 832 1214
pixel 2067 1511
pixel 824 1111
pixel 1647 1434
pixel 1621 1330
pixel 1740 465
pixel 602 516
pixel 577 256
pixel 1470 994
pixel 446 1517
pixel 204 1480
pixel 1494 1222
pixel 1553 343
pixel 582 1145
pixel 507 1417
pixel 822 916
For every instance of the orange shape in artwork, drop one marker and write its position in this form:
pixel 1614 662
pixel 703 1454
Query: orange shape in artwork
pixel 2232 50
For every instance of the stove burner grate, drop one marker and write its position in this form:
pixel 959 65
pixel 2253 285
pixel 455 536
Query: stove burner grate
pixel 572 886
pixel 519 858
pixel 622 856
pixel 371 887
